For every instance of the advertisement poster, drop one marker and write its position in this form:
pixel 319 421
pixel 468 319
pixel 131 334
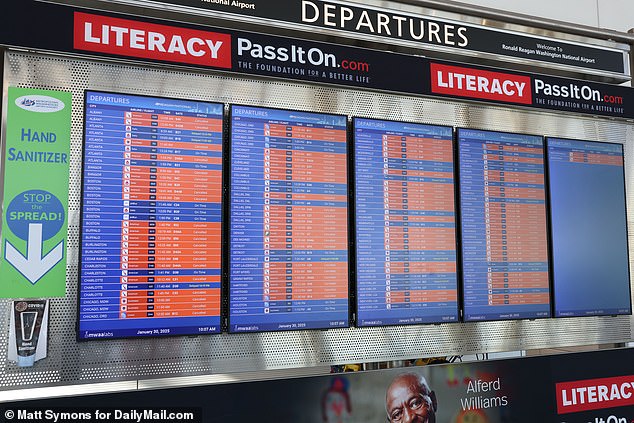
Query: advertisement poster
pixel 596 387
pixel 35 202
pixel 28 332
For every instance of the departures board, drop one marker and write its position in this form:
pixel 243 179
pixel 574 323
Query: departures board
pixel 151 217
pixel 151 222
pixel 504 231
pixel 288 237
pixel 406 270
pixel 589 228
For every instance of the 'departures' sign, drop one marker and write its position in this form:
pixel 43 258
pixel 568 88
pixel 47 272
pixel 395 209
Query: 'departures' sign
pixel 386 24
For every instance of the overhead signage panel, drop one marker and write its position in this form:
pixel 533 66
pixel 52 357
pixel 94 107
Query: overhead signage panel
pixel 249 53
pixel 281 57
pixel 423 31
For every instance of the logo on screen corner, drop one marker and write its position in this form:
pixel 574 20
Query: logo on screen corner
pixel 39 103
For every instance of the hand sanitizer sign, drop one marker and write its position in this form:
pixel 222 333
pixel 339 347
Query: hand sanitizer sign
pixel 35 196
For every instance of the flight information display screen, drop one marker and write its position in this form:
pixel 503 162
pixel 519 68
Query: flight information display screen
pixel 589 233
pixel 288 220
pixel 405 223
pixel 503 226
pixel 151 217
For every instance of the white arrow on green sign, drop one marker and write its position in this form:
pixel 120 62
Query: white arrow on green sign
pixel 34 266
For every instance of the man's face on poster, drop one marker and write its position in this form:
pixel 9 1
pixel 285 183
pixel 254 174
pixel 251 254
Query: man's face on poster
pixel 409 400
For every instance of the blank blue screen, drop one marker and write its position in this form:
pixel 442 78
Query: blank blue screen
pixel 589 236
